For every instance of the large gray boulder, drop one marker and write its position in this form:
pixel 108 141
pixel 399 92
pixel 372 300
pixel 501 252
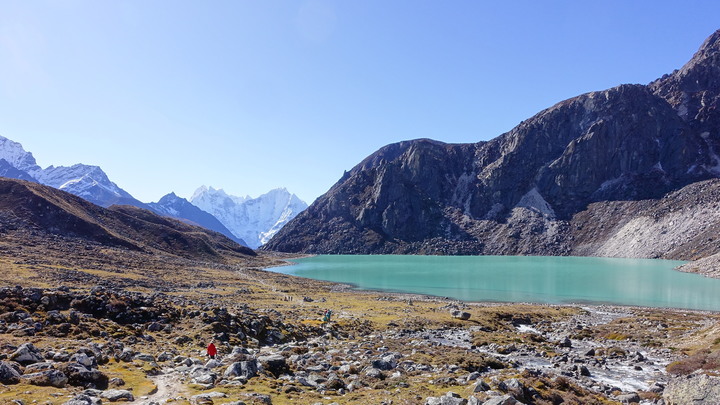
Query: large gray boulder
pixel 80 375
pixel 247 369
pixel 84 359
pixel 513 387
pixel 8 374
pixel 117 395
pixel 385 363
pixel 84 399
pixel 201 375
pixel 274 364
pixel 27 354
pixel 695 389
pixel 450 398
pixel 503 400
pixel 53 378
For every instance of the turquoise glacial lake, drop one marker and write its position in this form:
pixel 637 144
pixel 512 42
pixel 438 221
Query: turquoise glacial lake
pixel 552 280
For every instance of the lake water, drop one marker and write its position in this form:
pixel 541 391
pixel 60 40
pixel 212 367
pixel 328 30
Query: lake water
pixel 553 280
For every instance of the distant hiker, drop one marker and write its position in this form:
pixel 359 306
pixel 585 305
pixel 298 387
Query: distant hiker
pixel 326 317
pixel 212 350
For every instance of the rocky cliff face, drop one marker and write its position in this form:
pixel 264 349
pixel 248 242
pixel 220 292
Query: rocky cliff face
pixel 528 190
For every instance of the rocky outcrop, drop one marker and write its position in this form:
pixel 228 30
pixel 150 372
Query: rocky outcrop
pixel 522 192
pixel 695 389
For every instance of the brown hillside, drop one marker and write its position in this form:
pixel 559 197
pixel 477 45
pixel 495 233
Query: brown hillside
pixel 34 208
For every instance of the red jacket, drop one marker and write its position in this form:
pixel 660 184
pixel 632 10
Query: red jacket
pixel 211 350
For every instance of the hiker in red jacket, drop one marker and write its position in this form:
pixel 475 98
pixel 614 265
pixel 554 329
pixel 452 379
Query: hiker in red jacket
pixel 212 350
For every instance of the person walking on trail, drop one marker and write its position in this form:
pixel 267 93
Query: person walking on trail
pixel 211 350
pixel 326 317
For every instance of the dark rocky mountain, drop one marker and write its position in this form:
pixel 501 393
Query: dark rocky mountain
pixel 8 170
pixel 530 190
pixel 177 207
pixel 27 207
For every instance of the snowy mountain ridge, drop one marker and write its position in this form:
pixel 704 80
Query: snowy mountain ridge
pixel 252 220
pixel 15 154
pixel 86 181
pixel 255 220
pixel 174 206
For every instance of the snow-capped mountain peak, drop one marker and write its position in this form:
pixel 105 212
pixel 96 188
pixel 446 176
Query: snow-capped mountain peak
pixel 87 181
pixel 14 153
pixel 177 207
pixel 255 220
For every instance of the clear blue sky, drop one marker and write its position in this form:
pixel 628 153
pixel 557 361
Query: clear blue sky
pixel 168 95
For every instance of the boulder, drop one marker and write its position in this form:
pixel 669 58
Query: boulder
pixel 374 373
pixel 513 386
pixel 116 382
pixel 8 374
pixel 204 376
pixel 80 375
pixel 53 378
pixel 450 398
pixel 632 398
pixel 334 382
pixel 386 363
pixel 144 357
pixel 457 314
pixel 481 386
pixel 247 369
pixel 84 359
pixel 27 354
pixel 35 367
pixel 695 389
pixel 584 371
pixel 259 398
pixel 84 399
pixel 202 398
pixel 275 364
pixel 565 342
pixel 117 395
pixel 164 356
pixel 213 363
pixel 127 354
pixel 502 400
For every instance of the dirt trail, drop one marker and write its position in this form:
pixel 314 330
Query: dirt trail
pixel 168 386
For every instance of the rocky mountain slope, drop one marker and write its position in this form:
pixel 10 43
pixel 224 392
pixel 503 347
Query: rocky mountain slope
pixel 27 207
pixel 532 190
pixel 255 220
pixel 173 206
